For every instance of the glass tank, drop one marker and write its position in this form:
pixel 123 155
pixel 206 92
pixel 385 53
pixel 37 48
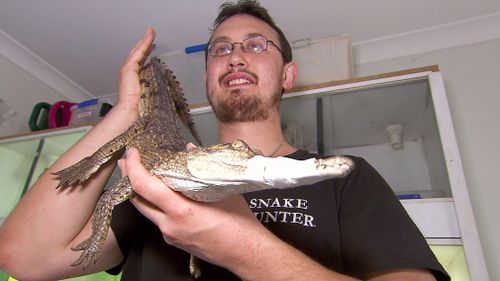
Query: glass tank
pixel 23 160
pixel 392 125
pixel 17 161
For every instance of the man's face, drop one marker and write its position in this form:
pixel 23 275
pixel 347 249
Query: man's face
pixel 242 86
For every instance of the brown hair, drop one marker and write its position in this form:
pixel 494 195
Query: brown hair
pixel 253 8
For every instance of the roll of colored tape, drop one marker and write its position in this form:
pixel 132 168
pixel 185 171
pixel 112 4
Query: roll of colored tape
pixel 60 114
pixel 39 116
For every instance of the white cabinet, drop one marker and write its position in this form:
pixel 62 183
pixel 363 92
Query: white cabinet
pixel 400 122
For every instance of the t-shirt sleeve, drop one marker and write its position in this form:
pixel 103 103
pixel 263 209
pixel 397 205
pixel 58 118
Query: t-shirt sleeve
pixel 376 232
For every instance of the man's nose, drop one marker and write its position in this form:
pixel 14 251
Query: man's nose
pixel 237 58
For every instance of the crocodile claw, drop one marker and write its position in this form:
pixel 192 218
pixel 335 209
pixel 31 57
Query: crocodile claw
pixel 89 254
pixel 76 173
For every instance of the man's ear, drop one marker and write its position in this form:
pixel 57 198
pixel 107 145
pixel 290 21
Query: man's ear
pixel 290 71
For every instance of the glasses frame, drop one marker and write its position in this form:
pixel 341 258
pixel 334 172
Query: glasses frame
pixel 243 48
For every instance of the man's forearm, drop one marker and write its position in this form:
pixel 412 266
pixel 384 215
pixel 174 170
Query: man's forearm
pixel 265 257
pixel 46 220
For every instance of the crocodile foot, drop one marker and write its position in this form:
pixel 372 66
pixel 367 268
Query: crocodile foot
pixel 101 221
pixel 88 256
pixel 92 246
pixel 77 173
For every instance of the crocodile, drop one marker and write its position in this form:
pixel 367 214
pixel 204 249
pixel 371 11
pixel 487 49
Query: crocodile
pixel 203 173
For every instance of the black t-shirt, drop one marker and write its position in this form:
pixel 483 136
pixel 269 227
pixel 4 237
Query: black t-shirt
pixel 353 225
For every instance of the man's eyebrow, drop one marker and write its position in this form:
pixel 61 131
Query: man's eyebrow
pixel 226 38
pixel 254 34
pixel 220 38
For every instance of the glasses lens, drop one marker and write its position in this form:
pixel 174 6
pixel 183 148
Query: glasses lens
pixel 255 45
pixel 220 48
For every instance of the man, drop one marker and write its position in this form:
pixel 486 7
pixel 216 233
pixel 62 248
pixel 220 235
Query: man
pixel 335 230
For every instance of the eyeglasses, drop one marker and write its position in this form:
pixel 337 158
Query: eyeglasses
pixel 252 45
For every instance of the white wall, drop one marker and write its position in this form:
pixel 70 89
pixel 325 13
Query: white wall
pixel 27 79
pixel 472 79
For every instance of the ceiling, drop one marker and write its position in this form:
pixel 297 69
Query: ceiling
pixel 86 41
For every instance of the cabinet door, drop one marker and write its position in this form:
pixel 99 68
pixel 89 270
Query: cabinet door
pixel 23 160
pixel 452 257
pixel 16 160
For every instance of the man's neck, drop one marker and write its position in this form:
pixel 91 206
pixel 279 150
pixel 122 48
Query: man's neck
pixel 265 136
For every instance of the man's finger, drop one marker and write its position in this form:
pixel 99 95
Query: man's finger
pixel 148 210
pixel 190 146
pixel 142 183
pixel 146 185
pixel 144 48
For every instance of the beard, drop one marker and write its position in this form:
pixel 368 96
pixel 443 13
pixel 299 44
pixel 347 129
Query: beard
pixel 242 107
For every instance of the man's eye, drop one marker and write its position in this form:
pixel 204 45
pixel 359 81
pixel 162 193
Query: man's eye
pixel 254 46
pixel 222 49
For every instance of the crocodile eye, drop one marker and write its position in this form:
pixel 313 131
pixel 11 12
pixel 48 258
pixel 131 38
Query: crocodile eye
pixel 239 144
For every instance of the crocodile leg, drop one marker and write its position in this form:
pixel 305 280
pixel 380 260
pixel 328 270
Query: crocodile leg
pixel 86 167
pixel 101 221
